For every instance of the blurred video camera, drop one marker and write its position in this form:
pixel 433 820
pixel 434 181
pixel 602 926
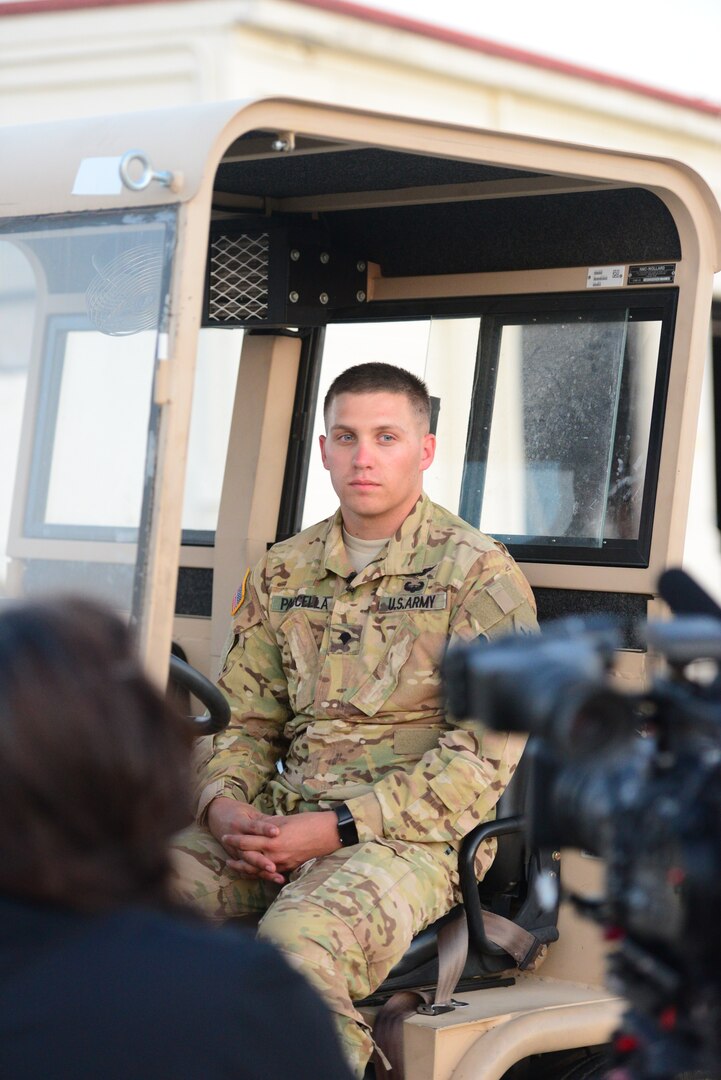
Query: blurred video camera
pixel 634 778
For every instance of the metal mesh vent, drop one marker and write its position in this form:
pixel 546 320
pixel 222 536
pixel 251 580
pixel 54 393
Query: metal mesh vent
pixel 239 278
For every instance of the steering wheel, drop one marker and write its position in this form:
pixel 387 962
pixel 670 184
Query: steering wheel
pixel 206 692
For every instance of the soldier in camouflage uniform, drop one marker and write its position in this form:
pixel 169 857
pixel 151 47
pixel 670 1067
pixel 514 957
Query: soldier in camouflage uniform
pixel 336 800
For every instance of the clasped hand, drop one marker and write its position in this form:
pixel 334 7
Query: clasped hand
pixel 269 846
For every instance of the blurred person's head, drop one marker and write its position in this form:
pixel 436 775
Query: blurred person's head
pixel 93 761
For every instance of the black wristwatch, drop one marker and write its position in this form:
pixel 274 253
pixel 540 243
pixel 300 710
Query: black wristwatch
pixel 347 831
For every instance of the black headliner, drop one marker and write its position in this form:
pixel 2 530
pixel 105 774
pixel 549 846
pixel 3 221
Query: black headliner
pixel 290 176
pixel 588 228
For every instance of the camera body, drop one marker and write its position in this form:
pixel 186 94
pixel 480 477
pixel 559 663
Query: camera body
pixel 636 780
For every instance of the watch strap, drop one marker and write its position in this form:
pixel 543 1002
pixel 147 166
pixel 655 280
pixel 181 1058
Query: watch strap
pixel 347 831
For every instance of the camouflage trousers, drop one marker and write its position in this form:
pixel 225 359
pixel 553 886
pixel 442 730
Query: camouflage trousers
pixel 344 920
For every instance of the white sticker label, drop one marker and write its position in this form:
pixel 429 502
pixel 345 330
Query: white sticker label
pixel 98 176
pixel 604 277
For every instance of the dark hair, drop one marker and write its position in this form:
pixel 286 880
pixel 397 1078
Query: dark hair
pixel 375 378
pixel 93 761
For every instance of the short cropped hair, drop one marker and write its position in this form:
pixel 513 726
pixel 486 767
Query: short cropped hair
pixel 378 378
pixel 94 762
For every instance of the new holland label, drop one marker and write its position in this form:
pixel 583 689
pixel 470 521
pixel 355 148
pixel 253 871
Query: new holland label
pixel 652 274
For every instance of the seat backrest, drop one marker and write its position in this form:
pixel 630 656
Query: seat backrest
pixel 509 866
pixel 507 889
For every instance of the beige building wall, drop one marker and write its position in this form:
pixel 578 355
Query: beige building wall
pixel 79 60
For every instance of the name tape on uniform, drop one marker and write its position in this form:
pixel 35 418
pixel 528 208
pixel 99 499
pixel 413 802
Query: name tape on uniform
pixel 431 601
pixel 435 601
pixel 301 600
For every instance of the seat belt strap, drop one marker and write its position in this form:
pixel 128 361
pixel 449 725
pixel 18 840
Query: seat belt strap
pixel 388 1025
pixel 523 946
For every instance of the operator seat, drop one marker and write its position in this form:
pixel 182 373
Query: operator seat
pixel 507 890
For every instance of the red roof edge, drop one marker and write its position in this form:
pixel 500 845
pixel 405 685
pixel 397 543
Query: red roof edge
pixel 508 52
pixel 462 40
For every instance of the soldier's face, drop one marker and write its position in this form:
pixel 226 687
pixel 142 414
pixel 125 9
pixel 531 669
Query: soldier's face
pixel 376 450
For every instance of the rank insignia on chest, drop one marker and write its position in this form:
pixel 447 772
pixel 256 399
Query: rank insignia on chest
pixel 418 601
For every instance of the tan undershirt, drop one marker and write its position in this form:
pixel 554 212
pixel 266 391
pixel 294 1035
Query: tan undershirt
pixel 361 552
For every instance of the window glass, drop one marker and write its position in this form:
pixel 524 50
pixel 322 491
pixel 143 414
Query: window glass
pixel 549 419
pixel 559 438
pixel 629 459
pixel 549 454
pixel 102 404
pixel 430 349
pixel 216 374
pixel 18 299
pixel 82 309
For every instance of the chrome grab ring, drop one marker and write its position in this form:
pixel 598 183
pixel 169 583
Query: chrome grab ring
pixel 148 174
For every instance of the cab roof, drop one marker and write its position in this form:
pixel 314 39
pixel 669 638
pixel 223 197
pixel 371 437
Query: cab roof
pixel 299 156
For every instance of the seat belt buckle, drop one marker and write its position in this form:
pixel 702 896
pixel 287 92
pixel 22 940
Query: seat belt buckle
pixel 437 1008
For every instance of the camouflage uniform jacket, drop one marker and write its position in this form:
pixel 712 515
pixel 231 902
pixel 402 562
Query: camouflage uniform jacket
pixel 334 682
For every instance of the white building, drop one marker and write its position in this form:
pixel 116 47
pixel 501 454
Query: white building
pixel 80 57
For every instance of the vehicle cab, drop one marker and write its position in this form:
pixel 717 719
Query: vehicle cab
pixel 179 288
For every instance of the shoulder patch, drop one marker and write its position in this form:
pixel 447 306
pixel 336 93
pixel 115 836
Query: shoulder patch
pixel 240 594
pixel 500 594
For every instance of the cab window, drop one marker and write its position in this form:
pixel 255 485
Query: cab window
pixel 425 347
pixel 549 413
pixel 564 433
pixel 83 304
pixel 216 373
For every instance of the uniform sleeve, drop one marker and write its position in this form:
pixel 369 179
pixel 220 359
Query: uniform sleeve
pixel 239 761
pixel 457 784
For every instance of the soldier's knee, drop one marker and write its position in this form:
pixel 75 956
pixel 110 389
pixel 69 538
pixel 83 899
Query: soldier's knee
pixel 201 879
pixel 325 950
pixel 196 855
pixel 194 879
pixel 320 944
pixel 304 931
pixel 286 927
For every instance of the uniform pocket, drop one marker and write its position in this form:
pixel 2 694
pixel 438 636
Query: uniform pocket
pixel 300 660
pixel 456 785
pixel 374 691
pixel 246 618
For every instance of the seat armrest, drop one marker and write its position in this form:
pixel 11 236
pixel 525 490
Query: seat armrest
pixel 469 883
